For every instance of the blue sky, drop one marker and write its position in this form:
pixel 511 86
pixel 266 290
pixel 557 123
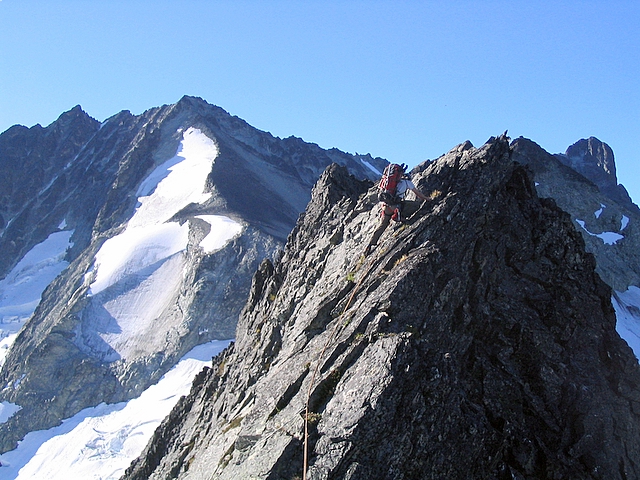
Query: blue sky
pixel 404 80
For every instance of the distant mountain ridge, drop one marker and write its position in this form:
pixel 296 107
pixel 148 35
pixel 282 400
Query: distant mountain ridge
pixel 595 201
pixel 595 160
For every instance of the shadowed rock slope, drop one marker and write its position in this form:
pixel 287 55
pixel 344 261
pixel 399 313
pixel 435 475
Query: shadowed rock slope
pixel 476 342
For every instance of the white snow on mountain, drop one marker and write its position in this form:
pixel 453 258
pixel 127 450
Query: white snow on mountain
pixel 148 238
pixel 7 410
pixel 627 307
pixel 101 442
pixel 177 185
pixel 135 249
pixel 371 167
pixel 21 289
pixel 222 230
pixel 624 222
pixel 610 238
pixel 139 273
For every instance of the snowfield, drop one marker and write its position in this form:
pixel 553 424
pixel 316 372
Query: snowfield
pixel 371 167
pixel 138 273
pixel 7 410
pixel 134 250
pixel 21 289
pixel 223 229
pixel 99 443
pixel 148 237
pixel 627 307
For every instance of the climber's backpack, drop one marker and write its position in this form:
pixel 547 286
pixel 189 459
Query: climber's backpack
pixel 388 186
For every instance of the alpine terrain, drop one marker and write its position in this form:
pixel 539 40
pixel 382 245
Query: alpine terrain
pixel 127 243
pixel 489 335
pixel 477 341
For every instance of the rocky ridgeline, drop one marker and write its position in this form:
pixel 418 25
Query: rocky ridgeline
pixel 477 341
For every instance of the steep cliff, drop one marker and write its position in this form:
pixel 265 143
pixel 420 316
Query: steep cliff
pixel 595 160
pixel 34 169
pixel 477 341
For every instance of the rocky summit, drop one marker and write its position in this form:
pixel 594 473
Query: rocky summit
pixel 476 342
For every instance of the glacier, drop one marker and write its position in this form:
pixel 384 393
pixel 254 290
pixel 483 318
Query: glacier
pixel 138 272
pixel 21 289
pixel 100 442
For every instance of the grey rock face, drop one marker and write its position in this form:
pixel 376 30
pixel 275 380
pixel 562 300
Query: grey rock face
pixel 34 170
pixel 595 160
pixel 87 176
pixel 477 341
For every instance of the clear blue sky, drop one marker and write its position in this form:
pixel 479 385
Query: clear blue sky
pixel 404 80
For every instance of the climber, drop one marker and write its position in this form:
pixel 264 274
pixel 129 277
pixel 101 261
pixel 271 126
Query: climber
pixel 393 203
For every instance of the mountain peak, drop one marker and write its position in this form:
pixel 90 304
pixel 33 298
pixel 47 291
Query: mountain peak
pixel 98 182
pixel 76 114
pixel 594 159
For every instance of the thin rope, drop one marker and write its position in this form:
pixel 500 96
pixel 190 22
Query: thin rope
pixel 315 371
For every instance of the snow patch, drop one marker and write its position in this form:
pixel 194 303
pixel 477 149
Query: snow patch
pixel 148 237
pixel 137 275
pixel 136 249
pixel 624 222
pixel 598 212
pixel 609 238
pixel 5 345
pixel 371 167
pixel 21 289
pixel 178 182
pixel 128 318
pixel 161 172
pixel 100 442
pixel 222 230
pixel 627 307
pixel 7 410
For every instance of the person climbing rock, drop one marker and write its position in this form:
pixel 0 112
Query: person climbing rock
pixel 392 191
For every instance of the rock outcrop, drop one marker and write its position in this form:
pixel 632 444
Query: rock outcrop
pixel 34 176
pixel 477 341
pixel 594 159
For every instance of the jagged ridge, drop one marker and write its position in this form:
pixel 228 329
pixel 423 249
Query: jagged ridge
pixel 477 342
